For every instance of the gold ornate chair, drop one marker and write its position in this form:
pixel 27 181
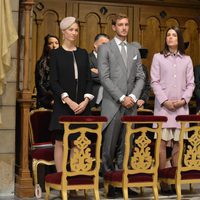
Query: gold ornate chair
pixel 188 169
pixel 42 149
pixel 81 159
pixel 144 111
pixel 140 166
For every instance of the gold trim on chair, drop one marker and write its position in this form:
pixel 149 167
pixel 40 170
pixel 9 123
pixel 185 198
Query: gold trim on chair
pixel 188 169
pixel 140 165
pixel 38 146
pixel 81 162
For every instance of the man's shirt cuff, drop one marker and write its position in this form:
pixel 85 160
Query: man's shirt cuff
pixel 133 97
pixel 121 99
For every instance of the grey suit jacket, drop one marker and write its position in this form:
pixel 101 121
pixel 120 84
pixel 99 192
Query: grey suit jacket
pixel 118 79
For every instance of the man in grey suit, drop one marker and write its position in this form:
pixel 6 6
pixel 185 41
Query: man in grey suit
pixel 122 78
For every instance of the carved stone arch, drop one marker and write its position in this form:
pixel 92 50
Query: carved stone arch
pixel 191 34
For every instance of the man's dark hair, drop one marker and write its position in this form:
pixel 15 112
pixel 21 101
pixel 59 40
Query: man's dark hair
pixel 101 35
pixel 118 17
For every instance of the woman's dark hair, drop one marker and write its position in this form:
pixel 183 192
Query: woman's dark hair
pixel 181 47
pixel 45 52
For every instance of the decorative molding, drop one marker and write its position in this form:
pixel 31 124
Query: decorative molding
pixel 172 3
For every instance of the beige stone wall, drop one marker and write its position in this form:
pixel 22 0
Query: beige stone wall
pixel 7 128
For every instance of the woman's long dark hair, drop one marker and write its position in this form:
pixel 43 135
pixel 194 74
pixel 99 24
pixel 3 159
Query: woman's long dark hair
pixel 45 52
pixel 181 47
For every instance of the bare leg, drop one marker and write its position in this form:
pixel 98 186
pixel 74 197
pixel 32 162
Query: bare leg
pixel 162 155
pixel 58 155
pixel 163 163
pixel 175 154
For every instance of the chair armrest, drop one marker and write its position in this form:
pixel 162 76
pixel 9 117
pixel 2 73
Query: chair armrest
pixel 42 145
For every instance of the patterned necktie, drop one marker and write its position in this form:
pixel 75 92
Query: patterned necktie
pixel 123 52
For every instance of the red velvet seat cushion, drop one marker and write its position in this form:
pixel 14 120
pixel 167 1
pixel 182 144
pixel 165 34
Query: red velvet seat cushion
pixel 188 118
pixel 143 118
pixel 40 126
pixel 76 180
pixel 43 154
pixel 171 172
pixel 76 118
pixel 116 176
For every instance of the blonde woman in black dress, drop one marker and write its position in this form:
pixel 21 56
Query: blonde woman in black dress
pixel 71 82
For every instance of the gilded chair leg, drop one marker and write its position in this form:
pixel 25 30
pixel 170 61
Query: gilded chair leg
pixel 47 188
pixel 34 168
pixel 155 192
pixel 125 193
pixel 105 188
pixel 64 195
pixel 178 191
pixel 96 193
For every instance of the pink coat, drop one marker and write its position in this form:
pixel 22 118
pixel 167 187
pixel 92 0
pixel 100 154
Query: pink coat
pixel 172 78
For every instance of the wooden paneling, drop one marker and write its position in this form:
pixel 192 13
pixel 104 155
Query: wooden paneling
pixel 155 20
pixel 148 22
pixel 96 18
pixel 191 34
pixel 46 18
pixel 172 3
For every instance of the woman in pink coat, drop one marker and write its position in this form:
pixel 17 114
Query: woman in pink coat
pixel 172 81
